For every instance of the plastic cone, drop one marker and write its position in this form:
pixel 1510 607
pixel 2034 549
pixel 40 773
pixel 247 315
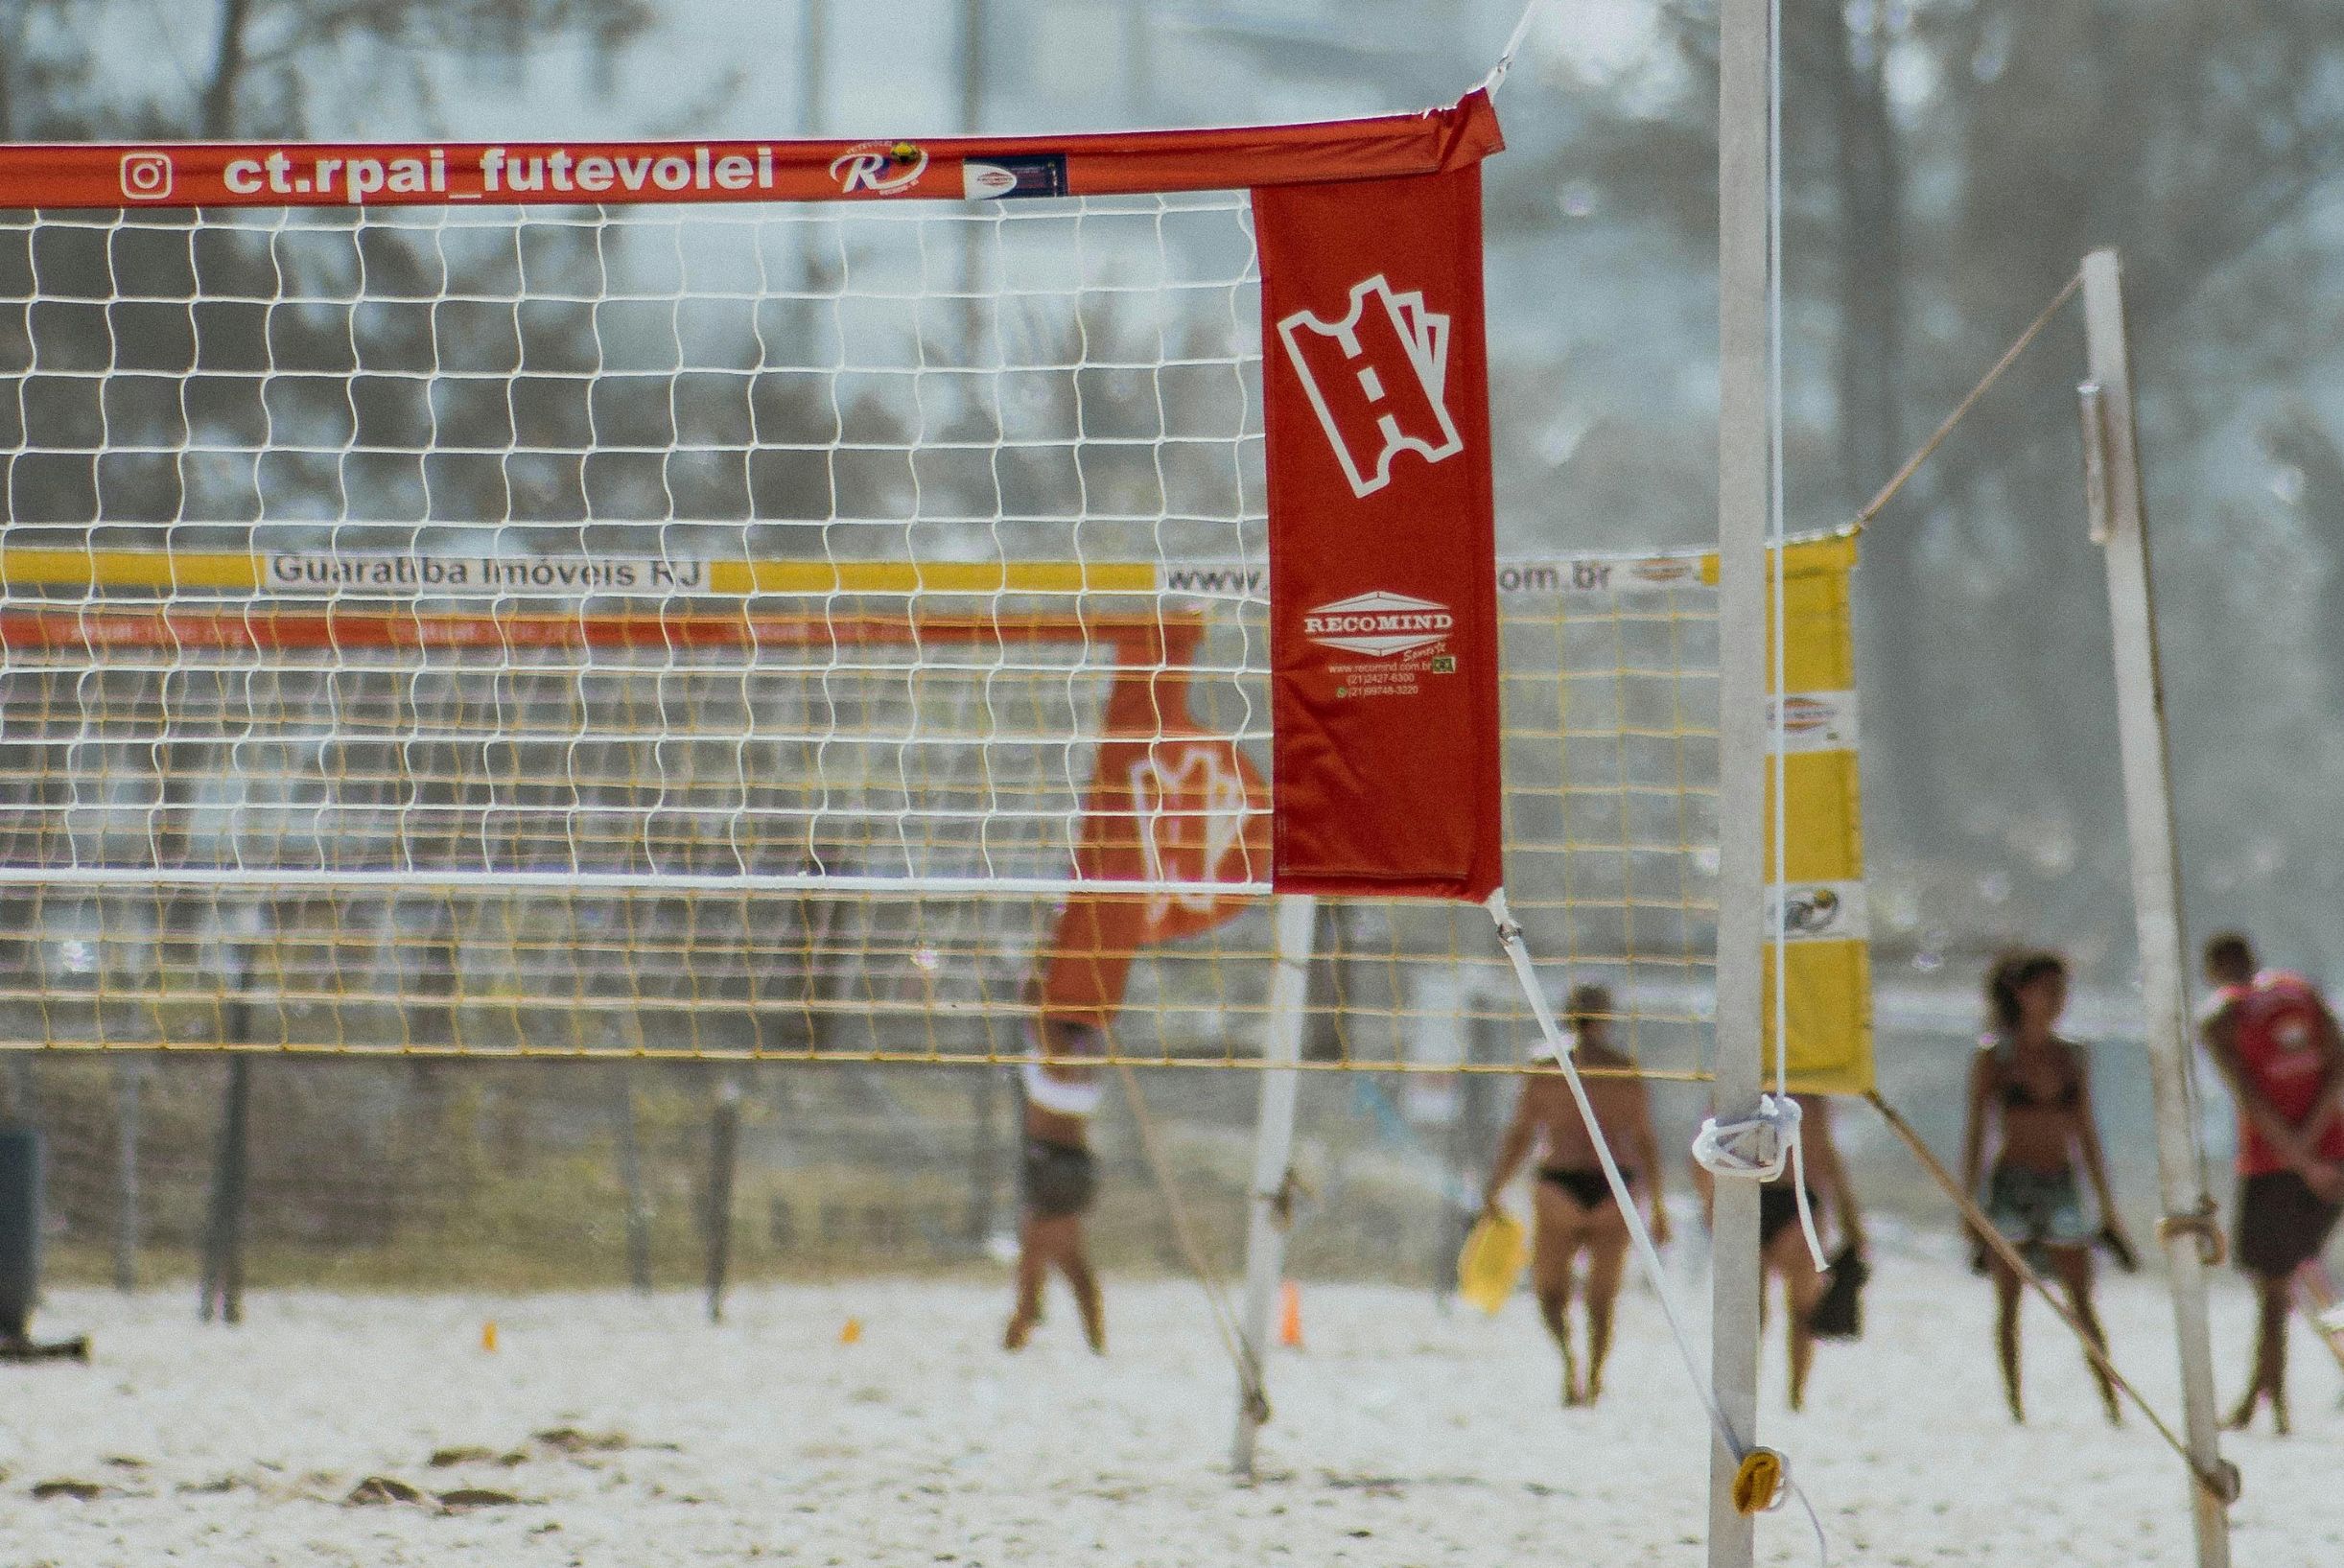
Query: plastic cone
pixel 853 1331
pixel 1290 1316
pixel 488 1335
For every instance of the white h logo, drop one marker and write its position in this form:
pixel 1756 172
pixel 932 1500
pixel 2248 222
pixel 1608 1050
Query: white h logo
pixel 1378 379
pixel 1191 815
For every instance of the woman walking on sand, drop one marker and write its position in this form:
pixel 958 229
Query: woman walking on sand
pixel 1574 1204
pixel 2030 1088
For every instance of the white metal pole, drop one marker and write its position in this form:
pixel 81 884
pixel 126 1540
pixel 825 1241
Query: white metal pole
pixel 2156 880
pixel 1265 1237
pixel 1744 272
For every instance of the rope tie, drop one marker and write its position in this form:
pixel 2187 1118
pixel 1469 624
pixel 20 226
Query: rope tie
pixel 1281 1201
pixel 2202 1224
pixel 1757 1146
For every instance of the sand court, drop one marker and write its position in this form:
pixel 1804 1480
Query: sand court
pixel 625 1428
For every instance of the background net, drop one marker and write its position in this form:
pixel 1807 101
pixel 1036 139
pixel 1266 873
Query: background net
pixel 666 633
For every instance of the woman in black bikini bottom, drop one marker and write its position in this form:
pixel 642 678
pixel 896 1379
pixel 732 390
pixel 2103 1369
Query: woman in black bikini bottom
pixel 1573 1203
pixel 1587 1185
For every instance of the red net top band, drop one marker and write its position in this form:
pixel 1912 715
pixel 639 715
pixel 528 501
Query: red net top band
pixel 558 173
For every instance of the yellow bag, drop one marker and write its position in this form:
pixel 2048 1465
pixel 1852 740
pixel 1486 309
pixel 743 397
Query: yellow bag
pixel 1491 1261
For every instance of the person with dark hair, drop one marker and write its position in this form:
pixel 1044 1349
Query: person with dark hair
pixel 2031 1089
pixel 2277 1046
pixel 1058 1176
pixel 1575 1209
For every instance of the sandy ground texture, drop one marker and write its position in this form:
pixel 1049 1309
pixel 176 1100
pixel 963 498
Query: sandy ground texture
pixel 626 1431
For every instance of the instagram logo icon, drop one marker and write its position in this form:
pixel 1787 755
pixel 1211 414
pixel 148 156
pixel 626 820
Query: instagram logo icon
pixel 146 176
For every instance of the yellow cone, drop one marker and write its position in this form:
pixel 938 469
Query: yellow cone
pixel 1491 1260
pixel 853 1331
pixel 488 1335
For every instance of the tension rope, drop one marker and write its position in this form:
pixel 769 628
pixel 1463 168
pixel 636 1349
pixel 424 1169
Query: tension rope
pixel 1241 1355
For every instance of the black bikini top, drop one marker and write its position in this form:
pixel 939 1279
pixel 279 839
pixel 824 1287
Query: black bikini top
pixel 2016 1095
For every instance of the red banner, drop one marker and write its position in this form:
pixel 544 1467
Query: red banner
pixel 1383 599
pixel 1171 806
pixel 566 174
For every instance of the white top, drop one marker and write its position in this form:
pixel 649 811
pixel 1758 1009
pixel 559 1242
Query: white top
pixel 1067 1099
pixel 1541 1051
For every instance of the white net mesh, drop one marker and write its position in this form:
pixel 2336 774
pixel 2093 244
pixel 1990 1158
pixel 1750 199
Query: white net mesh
pixel 695 630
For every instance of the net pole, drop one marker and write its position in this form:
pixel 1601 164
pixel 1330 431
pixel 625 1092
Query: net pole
pixel 223 1241
pixel 1744 272
pixel 128 1076
pixel 723 1163
pixel 1272 1208
pixel 630 1181
pixel 2119 521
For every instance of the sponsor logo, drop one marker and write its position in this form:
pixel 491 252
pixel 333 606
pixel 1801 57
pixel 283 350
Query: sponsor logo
pixel 882 167
pixel 331 571
pixel 1013 174
pixel 1813 721
pixel 1378 624
pixel 1818 912
pixel 1802 715
pixel 1664 571
pixel 1191 808
pixel 1378 379
pixel 1811 911
pixel 146 176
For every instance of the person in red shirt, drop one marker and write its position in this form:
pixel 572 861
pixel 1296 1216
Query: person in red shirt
pixel 2277 1045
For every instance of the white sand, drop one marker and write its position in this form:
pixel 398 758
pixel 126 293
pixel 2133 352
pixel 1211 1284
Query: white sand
pixel 1403 1436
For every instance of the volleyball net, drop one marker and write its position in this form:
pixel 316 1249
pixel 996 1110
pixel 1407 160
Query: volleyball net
pixel 689 599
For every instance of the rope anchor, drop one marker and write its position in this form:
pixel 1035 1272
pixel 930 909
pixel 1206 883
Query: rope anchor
pixel 1290 1188
pixel 2203 1225
pixel 1760 1482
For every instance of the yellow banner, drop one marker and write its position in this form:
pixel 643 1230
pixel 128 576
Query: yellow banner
pixel 1827 961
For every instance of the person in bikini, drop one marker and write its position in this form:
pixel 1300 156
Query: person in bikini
pixel 2031 1090
pixel 2278 1048
pixel 1574 1206
pixel 1058 1176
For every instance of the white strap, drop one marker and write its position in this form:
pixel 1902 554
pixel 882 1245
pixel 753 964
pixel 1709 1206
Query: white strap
pixel 1756 1146
pixel 1496 78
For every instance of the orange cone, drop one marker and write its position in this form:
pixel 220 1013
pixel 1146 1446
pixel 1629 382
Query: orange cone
pixel 1290 1316
pixel 488 1336
pixel 853 1331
